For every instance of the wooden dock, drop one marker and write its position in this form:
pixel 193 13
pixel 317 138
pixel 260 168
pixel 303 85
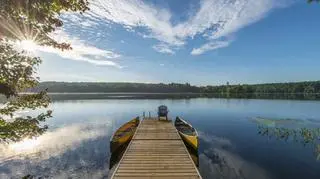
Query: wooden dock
pixel 156 151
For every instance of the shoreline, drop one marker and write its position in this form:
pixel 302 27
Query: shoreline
pixel 185 95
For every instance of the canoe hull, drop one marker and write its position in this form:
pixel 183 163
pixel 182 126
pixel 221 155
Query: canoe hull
pixel 121 139
pixel 188 134
pixel 190 138
pixel 123 135
pixel 117 155
pixel 191 141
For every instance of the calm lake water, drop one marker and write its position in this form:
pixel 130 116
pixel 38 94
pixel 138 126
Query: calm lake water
pixel 77 144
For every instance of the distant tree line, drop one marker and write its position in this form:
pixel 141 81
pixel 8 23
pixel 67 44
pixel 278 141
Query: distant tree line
pixel 309 87
pixel 97 87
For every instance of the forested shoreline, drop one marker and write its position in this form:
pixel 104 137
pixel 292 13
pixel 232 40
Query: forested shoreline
pixel 308 87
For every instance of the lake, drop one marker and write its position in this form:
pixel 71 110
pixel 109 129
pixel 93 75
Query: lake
pixel 231 142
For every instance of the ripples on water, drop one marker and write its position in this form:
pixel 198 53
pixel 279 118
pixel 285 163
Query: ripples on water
pixel 77 145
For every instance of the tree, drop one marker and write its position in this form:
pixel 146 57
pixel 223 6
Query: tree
pixel 309 90
pixel 27 21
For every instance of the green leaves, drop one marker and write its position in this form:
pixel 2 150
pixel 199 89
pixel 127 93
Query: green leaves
pixel 22 128
pixel 27 101
pixel 35 19
pixel 27 20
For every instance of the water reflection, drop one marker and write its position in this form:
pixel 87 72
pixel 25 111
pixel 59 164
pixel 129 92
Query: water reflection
pixel 220 160
pixel 303 131
pixel 78 144
pixel 77 151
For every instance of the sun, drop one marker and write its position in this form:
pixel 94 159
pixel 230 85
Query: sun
pixel 27 45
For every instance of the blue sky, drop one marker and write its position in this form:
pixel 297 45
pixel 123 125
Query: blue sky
pixel 200 42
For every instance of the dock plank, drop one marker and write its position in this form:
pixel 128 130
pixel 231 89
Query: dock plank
pixel 156 152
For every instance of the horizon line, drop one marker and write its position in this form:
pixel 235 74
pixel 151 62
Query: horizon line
pixel 231 84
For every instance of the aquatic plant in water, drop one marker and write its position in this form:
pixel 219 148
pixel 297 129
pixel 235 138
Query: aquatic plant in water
pixel 305 136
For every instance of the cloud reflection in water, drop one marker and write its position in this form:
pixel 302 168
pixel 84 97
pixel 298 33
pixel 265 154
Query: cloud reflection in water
pixel 219 161
pixel 82 151
pixel 77 151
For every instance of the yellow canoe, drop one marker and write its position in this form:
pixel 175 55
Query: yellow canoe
pixel 189 136
pixel 124 134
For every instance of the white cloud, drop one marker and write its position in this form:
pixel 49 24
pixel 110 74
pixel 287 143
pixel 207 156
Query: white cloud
pixel 163 48
pixel 81 51
pixel 213 20
pixel 135 13
pixel 220 18
pixel 209 46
